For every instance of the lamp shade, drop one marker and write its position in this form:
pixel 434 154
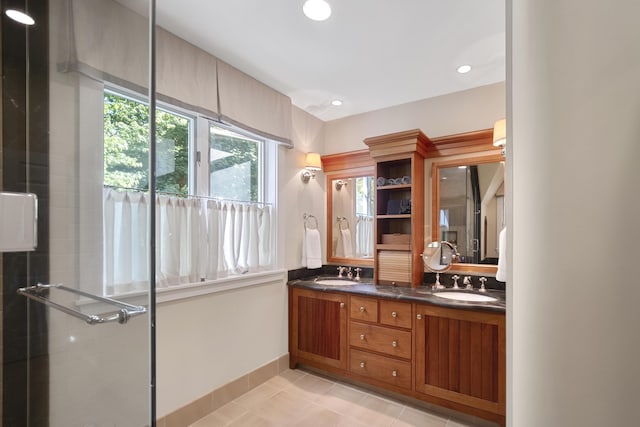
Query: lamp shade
pixel 500 133
pixel 313 162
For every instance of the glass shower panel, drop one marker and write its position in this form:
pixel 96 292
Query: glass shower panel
pixel 76 353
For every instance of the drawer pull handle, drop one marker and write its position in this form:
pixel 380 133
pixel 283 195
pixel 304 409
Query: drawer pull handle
pixel 362 337
pixel 361 309
pixel 394 314
pixel 394 373
pixel 394 343
pixel 362 365
pixel 419 316
pixel 341 305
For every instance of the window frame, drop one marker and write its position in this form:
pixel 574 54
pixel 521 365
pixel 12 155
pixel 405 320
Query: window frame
pixel 198 185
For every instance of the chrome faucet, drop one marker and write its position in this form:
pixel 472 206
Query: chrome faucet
pixel 349 273
pixel 455 278
pixel 357 270
pixel 482 288
pixel 467 281
pixel 341 271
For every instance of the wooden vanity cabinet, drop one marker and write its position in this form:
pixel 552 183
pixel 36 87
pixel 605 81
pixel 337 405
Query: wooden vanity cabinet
pixel 380 341
pixel 318 328
pixel 449 357
pixel 460 357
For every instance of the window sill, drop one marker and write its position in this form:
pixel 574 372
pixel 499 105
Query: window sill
pixel 187 290
pixel 191 290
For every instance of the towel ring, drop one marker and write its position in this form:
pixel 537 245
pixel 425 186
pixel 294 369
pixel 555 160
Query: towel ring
pixel 308 217
pixel 341 220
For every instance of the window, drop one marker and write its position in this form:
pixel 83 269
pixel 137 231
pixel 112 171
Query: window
pixel 126 146
pixel 213 219
pixel 234 165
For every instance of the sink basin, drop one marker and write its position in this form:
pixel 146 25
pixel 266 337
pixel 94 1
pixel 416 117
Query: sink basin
pixel 336 282
pixel 465 296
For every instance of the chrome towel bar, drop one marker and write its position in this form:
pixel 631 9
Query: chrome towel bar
pixel 125 312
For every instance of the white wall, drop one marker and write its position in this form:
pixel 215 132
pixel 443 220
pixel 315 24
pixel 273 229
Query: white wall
pixel 209 341
pixel 298 198
pixel 458 112
pixel 573 316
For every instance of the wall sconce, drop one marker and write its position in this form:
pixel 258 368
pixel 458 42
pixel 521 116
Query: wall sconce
pixel 340 183
pixel 312 163
pixel 500 134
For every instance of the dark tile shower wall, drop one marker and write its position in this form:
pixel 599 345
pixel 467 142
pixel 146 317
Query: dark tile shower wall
pixel 25 153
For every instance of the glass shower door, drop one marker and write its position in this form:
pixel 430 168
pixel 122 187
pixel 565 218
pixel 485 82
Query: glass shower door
pixel 77 340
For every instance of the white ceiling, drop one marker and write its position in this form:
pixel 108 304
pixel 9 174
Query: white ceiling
pixel 371 54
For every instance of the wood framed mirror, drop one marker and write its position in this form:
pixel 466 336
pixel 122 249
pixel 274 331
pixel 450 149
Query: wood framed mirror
pixel 467 209
pixel 350 203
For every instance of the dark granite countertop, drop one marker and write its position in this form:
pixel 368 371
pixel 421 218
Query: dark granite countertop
pixel 423 294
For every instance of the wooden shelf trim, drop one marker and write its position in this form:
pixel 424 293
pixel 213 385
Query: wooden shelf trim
pixel 395 187
pixel 396 216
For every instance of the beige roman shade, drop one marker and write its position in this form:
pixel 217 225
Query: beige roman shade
pixel 104 40
pixel 186 74
pixel 246 102
pixel 109 42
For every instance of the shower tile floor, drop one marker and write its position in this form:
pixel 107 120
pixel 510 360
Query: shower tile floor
pixel 299 398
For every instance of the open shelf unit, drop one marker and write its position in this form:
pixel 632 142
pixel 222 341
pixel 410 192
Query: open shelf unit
pixel 399 216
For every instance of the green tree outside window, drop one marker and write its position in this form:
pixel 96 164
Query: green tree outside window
pixel 126 146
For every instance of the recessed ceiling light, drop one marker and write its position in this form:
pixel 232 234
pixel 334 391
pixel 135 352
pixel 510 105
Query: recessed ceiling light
pixel 318 10
pixel 336 103
pixel 463 69
pixel 20 17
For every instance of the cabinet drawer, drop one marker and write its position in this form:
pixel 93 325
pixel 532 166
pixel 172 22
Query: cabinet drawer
pixel 391 371
pixel 384 340
pixel 364 309
pixel 394 313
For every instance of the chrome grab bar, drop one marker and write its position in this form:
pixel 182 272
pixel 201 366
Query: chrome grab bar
pixel 125 312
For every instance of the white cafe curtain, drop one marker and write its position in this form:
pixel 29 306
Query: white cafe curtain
pixel 196 239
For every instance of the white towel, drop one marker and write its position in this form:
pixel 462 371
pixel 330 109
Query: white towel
pixel 501 274
pixel 311 249
pixel 345 243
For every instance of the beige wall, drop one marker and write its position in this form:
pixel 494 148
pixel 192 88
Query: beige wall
pixel 464 111
pixel 298 198
pixel 573 148
pixel 209 341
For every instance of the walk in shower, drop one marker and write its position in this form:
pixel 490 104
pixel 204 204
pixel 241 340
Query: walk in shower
pixel 76 351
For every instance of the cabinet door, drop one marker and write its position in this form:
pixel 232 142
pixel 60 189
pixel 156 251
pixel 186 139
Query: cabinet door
pixel 460 356
pixel 318 328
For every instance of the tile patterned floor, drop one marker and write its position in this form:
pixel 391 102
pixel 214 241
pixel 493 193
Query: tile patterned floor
pixel 299 398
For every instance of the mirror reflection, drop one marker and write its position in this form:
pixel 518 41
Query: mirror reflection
pixel 471 210
pixel 352 217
